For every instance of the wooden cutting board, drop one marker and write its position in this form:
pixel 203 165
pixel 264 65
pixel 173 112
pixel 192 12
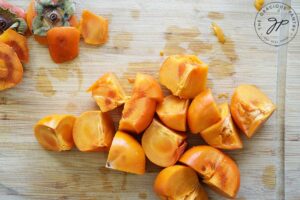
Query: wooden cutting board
pixel 139 30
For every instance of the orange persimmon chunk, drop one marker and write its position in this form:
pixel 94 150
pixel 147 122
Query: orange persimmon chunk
pixel 137 114
pixel 18 42
pixel 93 131
pixel 63 43
pixel 94 28
pixel 218 32
pixel 218 170
pixel 107 92
pixel 54 132
pixel 223 134
pixel 147 86
pixel 184 75
pixel 173 112
pixel 179 182
pixel 203 112
pixel 126 154
pixel 11 69
pixel 250 108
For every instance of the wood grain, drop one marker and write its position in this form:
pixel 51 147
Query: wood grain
pixel 139 30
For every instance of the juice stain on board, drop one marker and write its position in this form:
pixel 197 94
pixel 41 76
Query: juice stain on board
pixel 215 15
pixel 121 41
pixel 43 83
pixel 142 195
pixel 135 14
pixel 269 177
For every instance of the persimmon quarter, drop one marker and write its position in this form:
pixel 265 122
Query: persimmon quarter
pixel 63 43
pixel 54 132
pixel 93 131
pixel 126 154
pixel 179 182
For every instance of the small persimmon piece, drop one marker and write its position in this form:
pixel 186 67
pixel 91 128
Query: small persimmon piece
pixel 179 182
pixel 146 86
pixel 137 114
pixel 184 75
pixel 63 43
pixel 203 112
pixel 93 131
pixel 18 42
pixel 259 4
pixel 108 92
pixel 93 28
pixel 250 108
pixel 54 132
pixel 218 32
pixel 11 69
pixel 41 39
pixel 163 146
pixel 223 134
pixel 126 154
pixel 218 170
pixel 173 112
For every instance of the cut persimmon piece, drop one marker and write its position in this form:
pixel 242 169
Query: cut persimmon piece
pixel 173 112
pixel 63 43
pixel 93 28
pixel 184 75
pixel 223 134
pixel 137 114
pixel 93 131
pixel 147 86
pixel 250 108
pixel 218 32
pixel 18 42
pixel 11 69
pixel 108 92
pixel 203 112
pixel 54 132
pixel 163 146
pixel 179 182
pixel 218 170
pixel 126 154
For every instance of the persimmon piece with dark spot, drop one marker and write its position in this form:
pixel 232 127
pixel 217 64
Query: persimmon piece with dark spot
pixel 63 43
pixel 11 69
pixel 18 42
pixel 54 132
pixel 217 169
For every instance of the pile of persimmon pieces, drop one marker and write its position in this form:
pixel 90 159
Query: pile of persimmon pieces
pixel 163 138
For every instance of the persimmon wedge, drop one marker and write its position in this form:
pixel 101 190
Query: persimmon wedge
pixel 18 42
pixel 146 86
pixel 179 182
pixel 93 131
pixel 218 170
pixel 203 112
pixel 163 146
pixel 93 28
pixel 54 132
pixel 184 75
pixel 108 92
pixel 250 108
pixel 11 69
pixel 173 112
pixel 126 154
pixel 137 114
pixel 63 43
pixel 223 134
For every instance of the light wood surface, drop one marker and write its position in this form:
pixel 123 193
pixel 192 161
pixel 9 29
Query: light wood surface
pixel 139 30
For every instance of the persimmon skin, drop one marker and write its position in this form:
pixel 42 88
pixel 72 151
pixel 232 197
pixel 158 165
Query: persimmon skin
pixel 126 154
pixel 11 69
pixel 179 182
pixel 250 108
pixel 223 134
pixel 18 42
pixel 93 131
pixel 137 114
pixel 63 43
pixel 218 170
pixel 54 132
pixel 203 112
pixel 93 28
pixel 163 146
